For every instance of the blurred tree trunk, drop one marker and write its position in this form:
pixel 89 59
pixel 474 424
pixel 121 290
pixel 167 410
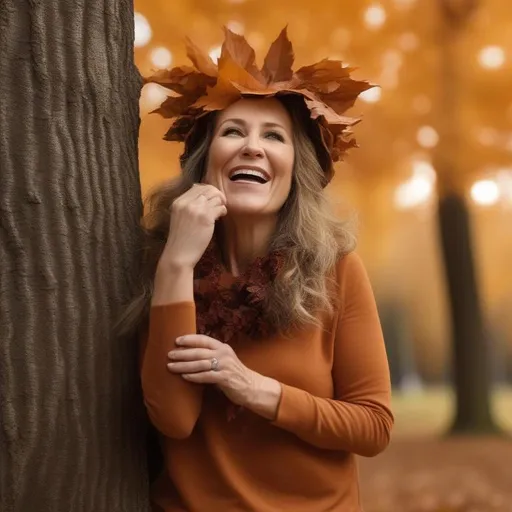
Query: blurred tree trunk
pixel 72 425
pixel 470 350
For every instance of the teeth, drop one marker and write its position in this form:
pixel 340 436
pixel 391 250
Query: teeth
pixel 252 172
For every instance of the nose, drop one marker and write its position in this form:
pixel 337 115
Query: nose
pixel 252 149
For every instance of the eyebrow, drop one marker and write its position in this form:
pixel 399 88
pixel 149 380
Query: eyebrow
pixel 243 123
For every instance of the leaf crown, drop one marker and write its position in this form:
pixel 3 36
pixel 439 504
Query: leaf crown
pixel 326 88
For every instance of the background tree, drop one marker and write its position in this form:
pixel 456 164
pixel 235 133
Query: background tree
pixel 470 355
pixel 72 427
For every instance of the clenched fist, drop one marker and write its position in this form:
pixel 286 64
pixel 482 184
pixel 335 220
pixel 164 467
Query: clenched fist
pixel 193 217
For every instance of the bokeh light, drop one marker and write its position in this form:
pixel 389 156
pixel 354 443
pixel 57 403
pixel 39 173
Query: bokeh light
pixel 143 32
pixel 485 192
pixel 418 189
pixel 375 16
pixel 161 57
pixel 427 137
pixel 492 57
pixel 372 95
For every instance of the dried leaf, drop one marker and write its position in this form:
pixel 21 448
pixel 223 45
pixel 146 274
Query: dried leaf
pixel 346 95
pixel 278 63
pixel 167 76
pixel 201 61
pixel 232 71
pixel 182 127
pixel 184 80
pixel 331 116
pixel 173 106
pixel 236 48
pixel 218 97
pixel 263 90
pixel 326 70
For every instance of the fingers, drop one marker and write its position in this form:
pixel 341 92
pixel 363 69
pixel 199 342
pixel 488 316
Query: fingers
pixel 194 355
pixel 203 377
pixel 190 354
pixel 216 200
pixel 208 191
pixel 204 365
pixel 198 341
pixel 220 211
pixel 211 192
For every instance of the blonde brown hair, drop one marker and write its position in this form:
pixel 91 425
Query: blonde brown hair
pixel 311 236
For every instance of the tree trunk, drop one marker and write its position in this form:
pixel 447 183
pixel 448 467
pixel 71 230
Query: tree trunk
pixel 72 425
pixel 470 349
pixel 470 358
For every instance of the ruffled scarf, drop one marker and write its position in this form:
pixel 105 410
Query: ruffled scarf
pixel 226 305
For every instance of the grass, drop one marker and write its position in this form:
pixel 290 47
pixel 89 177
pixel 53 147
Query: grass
pixel 430 412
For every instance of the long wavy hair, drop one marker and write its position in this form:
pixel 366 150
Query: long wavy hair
pixel 312 237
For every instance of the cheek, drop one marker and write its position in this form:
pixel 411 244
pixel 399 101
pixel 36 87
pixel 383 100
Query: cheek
pixel 213 163
pixel 283 163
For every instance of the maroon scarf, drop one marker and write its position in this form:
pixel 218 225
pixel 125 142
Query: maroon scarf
pixel 227 305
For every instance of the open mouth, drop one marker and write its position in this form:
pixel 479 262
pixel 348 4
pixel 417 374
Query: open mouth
pixel 249 175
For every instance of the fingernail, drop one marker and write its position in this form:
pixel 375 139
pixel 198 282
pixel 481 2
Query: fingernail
pixel 179 340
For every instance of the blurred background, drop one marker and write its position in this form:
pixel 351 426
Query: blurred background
pixel 435 157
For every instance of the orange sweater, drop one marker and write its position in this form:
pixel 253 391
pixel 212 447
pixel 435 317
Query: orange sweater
pixel 334 405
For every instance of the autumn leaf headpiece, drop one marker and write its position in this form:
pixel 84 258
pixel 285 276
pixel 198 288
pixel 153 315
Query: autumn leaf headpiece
pixel 325 90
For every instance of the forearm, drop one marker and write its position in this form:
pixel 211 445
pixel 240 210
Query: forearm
pixel 173 404
pixel 361 426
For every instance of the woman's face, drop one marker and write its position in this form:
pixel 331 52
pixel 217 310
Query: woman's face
pixel 251 156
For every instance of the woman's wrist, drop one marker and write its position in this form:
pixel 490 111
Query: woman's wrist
pixel 173 283
pixel 264 396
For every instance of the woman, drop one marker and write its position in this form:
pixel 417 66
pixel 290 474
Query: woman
pixel 264 368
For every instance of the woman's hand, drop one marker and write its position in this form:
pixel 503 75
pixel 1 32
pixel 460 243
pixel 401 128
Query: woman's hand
pixel 204 360
pixel 193 217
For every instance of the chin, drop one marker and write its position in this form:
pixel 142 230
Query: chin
pixel 247 207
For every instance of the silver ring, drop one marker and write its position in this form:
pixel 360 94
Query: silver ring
pixel 215 365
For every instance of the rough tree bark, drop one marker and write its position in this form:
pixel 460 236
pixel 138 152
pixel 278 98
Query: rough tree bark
pixel 72 427
pixel 470 358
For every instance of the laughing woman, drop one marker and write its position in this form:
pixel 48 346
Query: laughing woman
pixel 264 368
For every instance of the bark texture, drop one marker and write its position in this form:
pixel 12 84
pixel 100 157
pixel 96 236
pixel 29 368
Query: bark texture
pixel 72 425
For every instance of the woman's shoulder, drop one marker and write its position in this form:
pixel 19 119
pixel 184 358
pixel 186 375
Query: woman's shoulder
pixel 348 264
pixel 350 272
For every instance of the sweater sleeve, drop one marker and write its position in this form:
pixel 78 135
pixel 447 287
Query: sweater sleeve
pixel 173 404
pixel 358 418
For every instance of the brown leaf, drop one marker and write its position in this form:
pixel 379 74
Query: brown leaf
pixel 201 61
pixel 184 80
pixel 324 71
pixel 173 106
pixel 278 63
pixel 218 97
pixel 318 109
pixel 165 76
pixel 181 127
pixel 232 71
pixel 238 49
pixel 345 95
pixel 262 91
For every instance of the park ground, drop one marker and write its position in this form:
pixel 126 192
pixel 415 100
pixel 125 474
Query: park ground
pixel 424 470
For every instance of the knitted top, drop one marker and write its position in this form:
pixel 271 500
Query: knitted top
pixel 335 404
